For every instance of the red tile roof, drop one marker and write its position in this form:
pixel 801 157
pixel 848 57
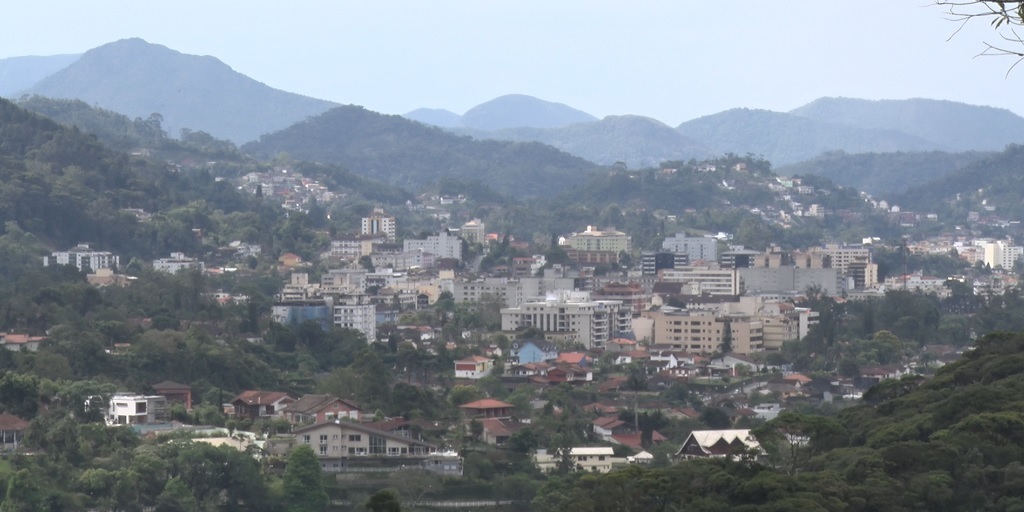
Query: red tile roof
pixel 9 421
pixel 486 403
pixel 253 397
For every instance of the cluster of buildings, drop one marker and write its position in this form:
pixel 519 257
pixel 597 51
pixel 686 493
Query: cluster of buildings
pixel 291 189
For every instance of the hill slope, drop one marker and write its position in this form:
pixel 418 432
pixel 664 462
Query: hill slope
pixel 635 140
pixel 950 125
pixel 19 73
pixel 519 110
pixel 435 117
pixel 883 174
pixel 991 185
pixel 786 138
pixel 137 79
pixel 409 154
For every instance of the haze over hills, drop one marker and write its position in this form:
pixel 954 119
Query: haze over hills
pixel 410 154
pixel 19 73
pixel 137 79
pixel 952 126
pixel 436 117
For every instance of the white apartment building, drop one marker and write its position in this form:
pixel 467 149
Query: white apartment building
pixel 572 315
pixel 694 247
pixel 403 260
pixel 378 223
pixel 353 247
pixel 842 256
pixel 343 280
pixel 176 263
pixel 83 257
pixel 356 312
pixel 442 245
pixel 704 332
pixel 705 280
pixel 1002 254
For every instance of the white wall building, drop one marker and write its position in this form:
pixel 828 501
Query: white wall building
pixel 572 315
pixel 127 409
pixel 83 257
pixel 442 245
pixel 378 223
pixel 701 280
pixel 176 263
pixel 355 312
pixel 695 247
pixel 1002 254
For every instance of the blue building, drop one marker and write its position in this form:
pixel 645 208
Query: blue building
pixel 295 312
pixel 533 351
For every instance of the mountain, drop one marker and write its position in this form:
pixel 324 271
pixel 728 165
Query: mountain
pixel 951 126
pixel 412 155
pixel 518 110
pixel 19 73
pixel 635 140
pixel 436 117
pixel 990 186
pixel 883 174
pixel 137 79
pixel 786 138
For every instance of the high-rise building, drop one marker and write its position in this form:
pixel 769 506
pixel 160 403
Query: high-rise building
pixel 378 223
pixel 695 247
pixel 82 257
pixel 572 316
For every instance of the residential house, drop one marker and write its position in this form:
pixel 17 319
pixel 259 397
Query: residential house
pixel 347 446
pixel 577 358
pixel 128 409
pixel 497 431
pixel 634 439
pixel 606 426
pixel 487 408
pixel 717 443
pixel 570 373
pixel 475 367
pixel 598 459
pixel 254 404
pixel 621 345
pixel 175 392
pixel 12 429
pixel 17 342
pixel 319 408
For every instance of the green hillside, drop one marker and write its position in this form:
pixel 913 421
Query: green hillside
pixel 412 155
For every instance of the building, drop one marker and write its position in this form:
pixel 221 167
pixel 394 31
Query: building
pixel 718 443
pixel 783 279
pixel 1001 254
pixel 347 446
pixel 320 408
pixel 175 393
pixel 12 430
pixel 255 405
pixel 840 256
pixel 84 258
pixel 474 231
pixel 705 280
pixel 475 367
pixel 593 240
pixel 176 263
pixel 354 247
pixel 125 409
pixel 442 245
pixel 297 312
pixel 571 316
pixel 526 352
pixel 597 459
pixel 632 295
pixel 705 332
pixel 404 260
pixel 356 312
pixel 703 248
pixel 487 408
pixel 378 223
pixel 651 262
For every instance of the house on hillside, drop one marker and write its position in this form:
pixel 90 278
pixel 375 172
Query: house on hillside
pixel 487 408
pixel 319 408
pixel 533 351
pixel 475 367
pixel 717 443
pixel 175 392
pixel 255 404
pixel 12 429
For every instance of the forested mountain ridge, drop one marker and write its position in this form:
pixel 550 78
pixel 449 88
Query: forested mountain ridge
pixel 19 73
pixel 137 79
pixel 412 155
pixel 883 174
pixel 950 125
pixel 520 110
pixel 786 138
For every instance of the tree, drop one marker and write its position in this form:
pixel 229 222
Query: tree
pixel 1005 16
pixel 176 497
pixel 384 501
pixel 303 482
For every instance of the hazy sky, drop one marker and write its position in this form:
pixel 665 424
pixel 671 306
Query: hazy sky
pixel 672 60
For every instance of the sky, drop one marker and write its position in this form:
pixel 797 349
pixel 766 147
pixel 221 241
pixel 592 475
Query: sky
pixel 672 60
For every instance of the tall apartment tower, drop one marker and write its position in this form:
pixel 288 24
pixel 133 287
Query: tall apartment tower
pixel 378 223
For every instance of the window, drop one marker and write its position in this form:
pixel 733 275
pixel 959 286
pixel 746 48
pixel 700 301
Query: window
pixel 336 437
pixel 600 457
pixel 355 438
pixel 305 439
pixel 323 450
pixel 323 438
pixel 378 445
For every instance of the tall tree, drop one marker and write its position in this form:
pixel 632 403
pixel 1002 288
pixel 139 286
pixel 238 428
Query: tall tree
pixel 303 482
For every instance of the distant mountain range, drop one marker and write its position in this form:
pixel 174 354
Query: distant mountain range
pixel 137 79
